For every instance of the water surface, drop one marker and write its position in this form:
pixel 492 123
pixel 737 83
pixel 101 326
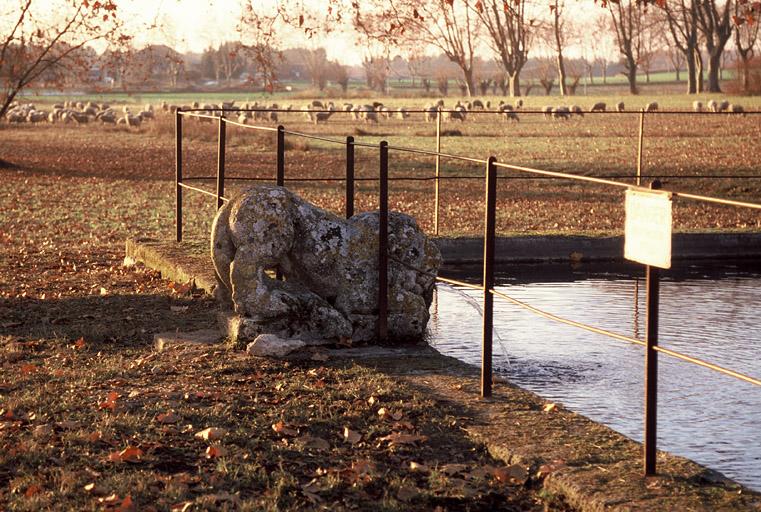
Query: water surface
pixel 709 310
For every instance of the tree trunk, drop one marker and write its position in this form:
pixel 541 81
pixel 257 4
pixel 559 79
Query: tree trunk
pixel 714 66
pixel 698 71
pixel 745 73
pixel 514 81
pixel 692 78
pixel 631 77
pixel 561 75
pixel 470 84
pixel 677 71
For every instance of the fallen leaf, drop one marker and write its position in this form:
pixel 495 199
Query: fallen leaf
pixel 168 417
pixel 80 344
pixel 211 434
pixel 317 443
pixel 32 490
pixel 27 369
pixel 350 436
pixel 453 469
pixel 551 467
pixel 214 451
pixel 549 407
pixel 407 493
pixel 185 506
pixel 69 425
pixel 416 466
pixel 282 428
pixel 110 402
pixel 95 489
pixel 112 499
pixel 129 454
pixel 401 438
pixel 511 474
pixel 372 400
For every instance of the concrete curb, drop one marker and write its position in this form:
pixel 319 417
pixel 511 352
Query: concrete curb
pixel 559 248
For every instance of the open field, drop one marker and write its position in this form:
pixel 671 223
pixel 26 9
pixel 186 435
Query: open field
pixel 711 154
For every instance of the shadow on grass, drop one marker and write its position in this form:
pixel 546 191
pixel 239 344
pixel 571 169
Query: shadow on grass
pixel 104 319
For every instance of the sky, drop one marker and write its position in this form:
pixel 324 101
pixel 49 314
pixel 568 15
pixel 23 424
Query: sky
pixel 193 25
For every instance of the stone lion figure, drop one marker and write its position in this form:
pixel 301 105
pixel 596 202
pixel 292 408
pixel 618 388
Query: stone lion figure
pixel 329 265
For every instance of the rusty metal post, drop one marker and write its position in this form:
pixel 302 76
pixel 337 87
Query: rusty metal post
pixel 383 246
pixel 639 146
pixel 438 173
pixel 178 171
pixel 221 146
pixel 651 363
pixel 280 156
pixel 349 176
pixel 488 278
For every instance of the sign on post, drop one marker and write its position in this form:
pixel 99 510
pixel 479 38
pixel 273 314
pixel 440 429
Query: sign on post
pixel 647 232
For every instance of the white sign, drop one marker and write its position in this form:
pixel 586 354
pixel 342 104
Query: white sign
pixel 648 227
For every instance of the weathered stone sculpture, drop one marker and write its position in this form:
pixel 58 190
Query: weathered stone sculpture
pixel 330 266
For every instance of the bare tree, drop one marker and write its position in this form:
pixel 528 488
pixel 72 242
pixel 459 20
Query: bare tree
pixel 376 68
pixel 340 75
pixel 681 16
pixel 316 62
pixel 258 31
pixel 509 35
pixel 627 19
pixel 443 24
pixel 714 21
pixel 746 36
pixel 29 50
pixel 651 44
pixel 599 45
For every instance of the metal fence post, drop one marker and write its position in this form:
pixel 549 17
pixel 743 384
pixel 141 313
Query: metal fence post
pixel 651 363
pixel 639 146
pixel 383 246
pixel 221 140
pixel 178 171
pixel 349 176
pixel 280 156
pixel 488 277
pixel 438 173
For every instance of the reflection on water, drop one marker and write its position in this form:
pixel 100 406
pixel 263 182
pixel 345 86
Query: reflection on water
pixel 707 310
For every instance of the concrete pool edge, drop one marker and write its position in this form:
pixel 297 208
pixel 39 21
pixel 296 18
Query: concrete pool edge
pixel 560 248
pixel 587 465
pixel 606 477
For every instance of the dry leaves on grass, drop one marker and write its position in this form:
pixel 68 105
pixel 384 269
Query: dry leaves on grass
pixel 311 442
pixel 168 418
pixel 215 451
pixel 350 436
pixel 400 438
pixel 110 402
pixel 211 434
pixel 386 414
pixel 514 474
pixel 282 428
pixel 129 454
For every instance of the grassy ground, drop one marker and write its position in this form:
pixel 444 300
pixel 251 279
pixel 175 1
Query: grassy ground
pixel 92 419
pixel 88 416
